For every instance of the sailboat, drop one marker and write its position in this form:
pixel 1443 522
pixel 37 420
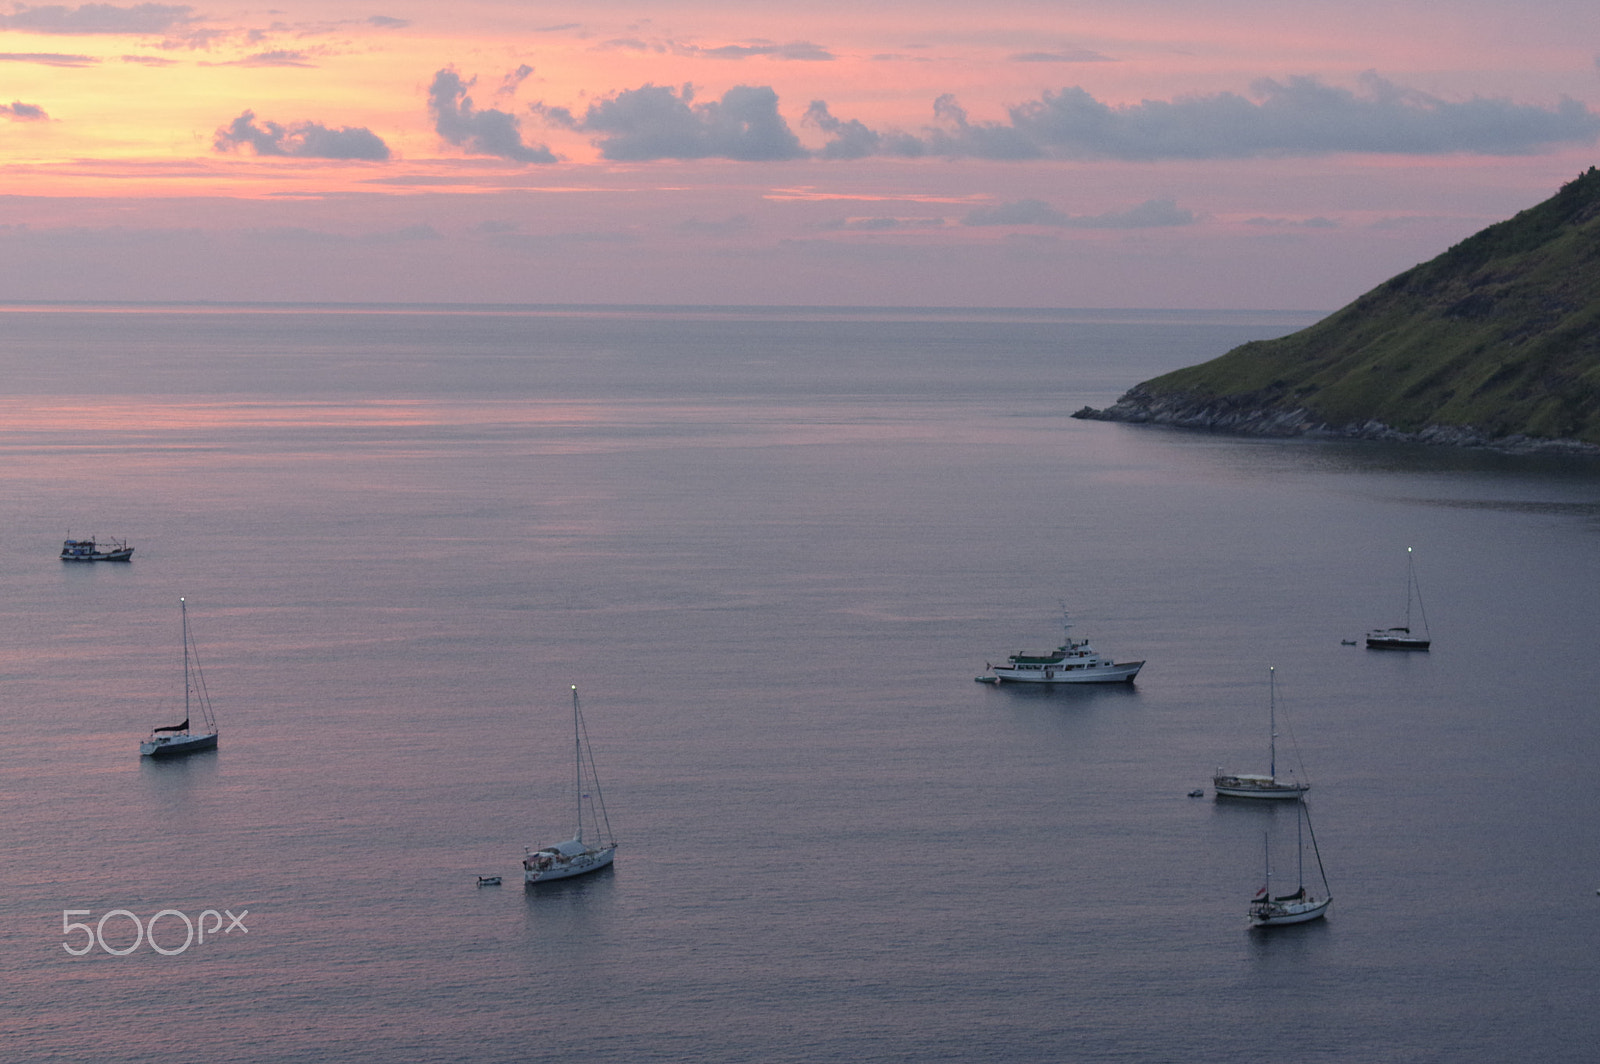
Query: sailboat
pixel 1268 909
pixel 577 855
pixel 178 739
pixel 1402 637
pixel 1255 785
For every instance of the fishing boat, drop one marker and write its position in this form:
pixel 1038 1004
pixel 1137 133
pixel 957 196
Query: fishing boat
pixel 1268 909
pixel 178 739
pixel 1254 785
pixel 1074 661
pixel 89 550
pixel 577 855
pixel 1401 637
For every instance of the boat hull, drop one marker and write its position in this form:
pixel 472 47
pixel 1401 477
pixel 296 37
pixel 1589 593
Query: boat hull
pixel 125 554
pixel 537 871
pixel 1276 914
pixel 177 745
pixel 1121 672
pixel 1379 641
pixel 1257 787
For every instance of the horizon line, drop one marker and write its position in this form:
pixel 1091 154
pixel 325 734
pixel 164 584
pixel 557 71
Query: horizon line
pixel 458 307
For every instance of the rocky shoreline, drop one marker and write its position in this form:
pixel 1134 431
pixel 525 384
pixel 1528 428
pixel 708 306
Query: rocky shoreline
pixel 1239 416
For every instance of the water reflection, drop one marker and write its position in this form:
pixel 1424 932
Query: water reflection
pixel 1253 456
pixel 1071 694
pixel 173 781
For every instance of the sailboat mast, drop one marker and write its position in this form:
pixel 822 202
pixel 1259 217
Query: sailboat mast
pixel 1322 873
pixel 577 763
pixel 1411 582
pixel 183 608
pixel 1272 718
pixel 1300 848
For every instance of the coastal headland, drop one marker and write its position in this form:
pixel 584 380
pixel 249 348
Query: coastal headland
pixel 1494 343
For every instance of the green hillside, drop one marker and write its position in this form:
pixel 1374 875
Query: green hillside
pixel 1499 335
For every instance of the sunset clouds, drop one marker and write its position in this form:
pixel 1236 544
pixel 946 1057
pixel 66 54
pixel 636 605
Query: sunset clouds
pixel 88 19
pixel 479 131
pixel 660 122
pixel 308 140
pixel 1127 154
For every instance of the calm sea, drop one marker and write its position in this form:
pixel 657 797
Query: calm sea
pixel 773 549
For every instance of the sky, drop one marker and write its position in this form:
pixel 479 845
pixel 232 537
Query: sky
pixel 1216 154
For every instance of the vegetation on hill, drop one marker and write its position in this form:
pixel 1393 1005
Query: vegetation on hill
pixel 1499 336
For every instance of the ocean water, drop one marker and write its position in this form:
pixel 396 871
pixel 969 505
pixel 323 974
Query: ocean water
pixel 772 548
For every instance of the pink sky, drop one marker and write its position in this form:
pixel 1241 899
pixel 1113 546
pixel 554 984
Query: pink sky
pixel 1138 154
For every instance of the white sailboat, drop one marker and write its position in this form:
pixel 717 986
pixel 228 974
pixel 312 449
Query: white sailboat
pixel 1268 909
pixel 186 738
pixel 577 855
pixel 1401 637
pixel 1255 785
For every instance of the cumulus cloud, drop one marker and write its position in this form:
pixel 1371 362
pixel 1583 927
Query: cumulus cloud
pixel 985 140
pixel 1299 116
pixel 54 59
pixel 1295 117
pixel 304 140
pixel 659 122
pixel 18 111
pixel 482 132
pixel 99 18
pixel 512 81
pixel 1150 214
pixel 853 140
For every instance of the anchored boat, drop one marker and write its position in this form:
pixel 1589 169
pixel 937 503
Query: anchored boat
pixel 1254 785
pixel 178 739
pixel 576 856
pixel 1268 909
pixel 1401 637
pixel 89 550
pixel 1074 661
